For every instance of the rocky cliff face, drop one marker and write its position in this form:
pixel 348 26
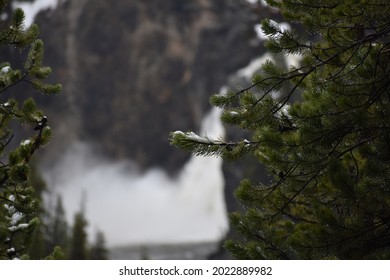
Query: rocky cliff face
pixel 134 70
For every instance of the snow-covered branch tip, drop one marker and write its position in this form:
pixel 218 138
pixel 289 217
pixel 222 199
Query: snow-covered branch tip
pixel 196 144
pixel 205 146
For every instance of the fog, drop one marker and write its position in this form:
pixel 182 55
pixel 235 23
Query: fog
pixel 134 208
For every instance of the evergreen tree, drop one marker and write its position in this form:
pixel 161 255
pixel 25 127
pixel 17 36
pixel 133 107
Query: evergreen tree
pixel 328 153
pixel 57 229
pixel 37 249
pixel 19 208
pixel 79 242
pixel 57 254
pixel 98 249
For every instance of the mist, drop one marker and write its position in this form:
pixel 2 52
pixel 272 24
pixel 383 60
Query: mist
pixel 143 208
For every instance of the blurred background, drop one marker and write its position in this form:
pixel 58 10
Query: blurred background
pixel 132 71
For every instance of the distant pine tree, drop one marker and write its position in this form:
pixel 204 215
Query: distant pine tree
pixel 328 152
pixel 98 248
pixel 57 229
pixel 37 248
pixel 79 242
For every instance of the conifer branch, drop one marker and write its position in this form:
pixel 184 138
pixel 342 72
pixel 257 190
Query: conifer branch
pixel 205 146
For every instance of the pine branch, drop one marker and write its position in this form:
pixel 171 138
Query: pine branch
pixel 205 146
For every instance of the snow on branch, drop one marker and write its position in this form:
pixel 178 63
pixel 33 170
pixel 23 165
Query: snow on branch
pixel 205 146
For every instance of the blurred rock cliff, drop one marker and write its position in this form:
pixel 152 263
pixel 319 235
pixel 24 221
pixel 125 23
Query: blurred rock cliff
pixel 132 71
